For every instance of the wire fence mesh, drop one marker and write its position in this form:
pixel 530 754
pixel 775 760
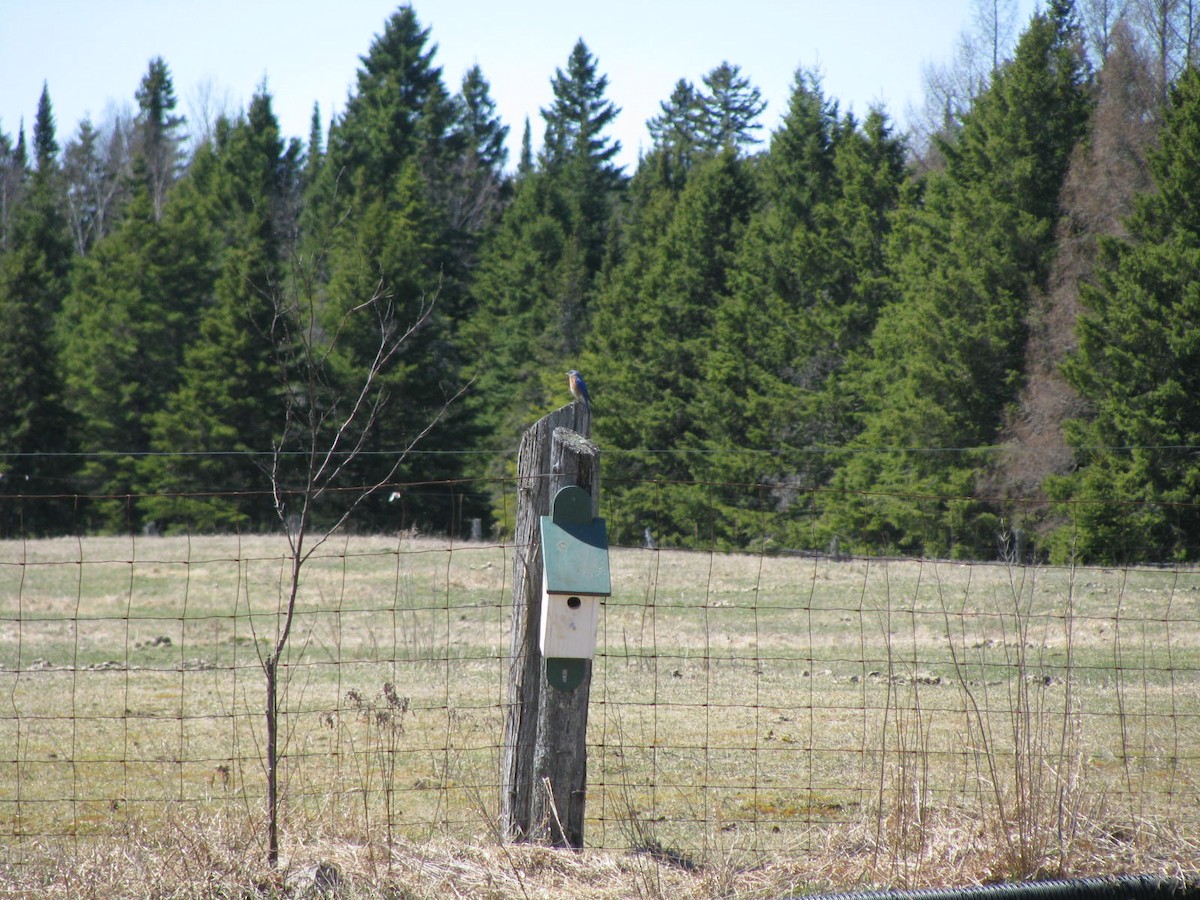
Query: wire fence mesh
pixel 741 703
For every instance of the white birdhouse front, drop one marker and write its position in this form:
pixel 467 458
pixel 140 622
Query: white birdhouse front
pixel 575 576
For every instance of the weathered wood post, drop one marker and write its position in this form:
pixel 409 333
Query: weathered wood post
pixel 544 767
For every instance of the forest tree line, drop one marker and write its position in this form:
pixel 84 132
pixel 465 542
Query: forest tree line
pixel 979 335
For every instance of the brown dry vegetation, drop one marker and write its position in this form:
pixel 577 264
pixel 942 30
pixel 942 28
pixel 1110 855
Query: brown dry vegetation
pixel 760 726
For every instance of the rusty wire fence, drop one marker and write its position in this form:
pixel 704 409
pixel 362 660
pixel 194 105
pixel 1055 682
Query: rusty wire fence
pixel 741 703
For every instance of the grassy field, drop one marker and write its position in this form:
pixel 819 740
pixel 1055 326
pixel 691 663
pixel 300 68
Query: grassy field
pixel 758 724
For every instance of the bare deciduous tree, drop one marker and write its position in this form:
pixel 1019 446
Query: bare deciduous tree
pixel 951 87
pixel 1172 29
pixel 1099 18
pixel 327 433
pixel 96 168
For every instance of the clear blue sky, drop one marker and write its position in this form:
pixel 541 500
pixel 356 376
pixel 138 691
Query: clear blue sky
pixel 93 53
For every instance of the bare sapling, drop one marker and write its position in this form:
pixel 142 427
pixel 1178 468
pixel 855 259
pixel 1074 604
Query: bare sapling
pixel 325 427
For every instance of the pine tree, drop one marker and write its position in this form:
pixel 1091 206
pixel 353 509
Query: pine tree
pixel 808 288
pixel 799 172
pixel 677 132
pixel 13 178
pixel 314 152
pixel 159 140
pixel 729 109
pixel 650 348
pixel 1135 494
pixel 131 309
pixel 34 428
pixel 515 343
pixel 578 117
pixel 96 174
pixel 1108 171
pixel 483 129
pixel 947 355
pixel 539 272
pixel 228 408
pixel 398 107
pixel 83 171
pixel 476 184
pixel 525 163
pixel 386 272
pixel 578 155
pixel 386 233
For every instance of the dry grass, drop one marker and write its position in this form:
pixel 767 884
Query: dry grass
pixel 760 726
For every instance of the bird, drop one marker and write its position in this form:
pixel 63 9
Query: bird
pixel 578 387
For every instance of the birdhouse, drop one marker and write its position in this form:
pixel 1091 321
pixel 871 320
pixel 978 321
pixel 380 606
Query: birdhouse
pixel 575 578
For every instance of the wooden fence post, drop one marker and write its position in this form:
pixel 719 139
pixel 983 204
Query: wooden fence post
pixel 544 766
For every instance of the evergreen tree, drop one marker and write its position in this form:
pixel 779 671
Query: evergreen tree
pixel 539 272
pixel 483 129
pixel 83 170
pixel 386 278
pixel 314 153
pixel 476 185
pixel 1135 496
pixel 96 172
pixel 386 232
pixel 525 163
pixel 578 155
pixel 1108 171
pixel 677 131
pixel 650 349
pixel 45 141
pixel 810 283
pixel 578 117
pixel 947 355
pixel 729 108
pixel 159 139
pixel 228 407
pixel 13 165
pixel 34 429
pixel 398 109
pixel 517 336
pixel 131 309
pixel 799 172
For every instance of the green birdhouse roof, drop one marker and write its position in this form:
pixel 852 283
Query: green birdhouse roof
pixel 575 546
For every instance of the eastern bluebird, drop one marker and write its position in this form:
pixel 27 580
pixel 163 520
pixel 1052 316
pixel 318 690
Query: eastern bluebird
pixel 578 387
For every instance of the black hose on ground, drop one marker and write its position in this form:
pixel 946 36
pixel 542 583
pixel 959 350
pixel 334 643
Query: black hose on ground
pixel 1125 887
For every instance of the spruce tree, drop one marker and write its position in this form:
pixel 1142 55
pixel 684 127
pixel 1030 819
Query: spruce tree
pixel 484 131
pixel 83 171
pixel 1108 171
pixel 385 233
pixel 158 129
pixel 676 132
pixel 476 184
pixel 525 163
pixel 577 119
pixel 946 357
pixel 650 348
pixel 579 156
pixel 131 309
pixel 538 274
pixel 13 178
pixel 806 293
pixel 399 103
pixel 729 109
pixel 1135 496
pixel 34 432
pixel 224 417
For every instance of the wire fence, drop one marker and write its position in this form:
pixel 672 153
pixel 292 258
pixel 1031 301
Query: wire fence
pixel 883 710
